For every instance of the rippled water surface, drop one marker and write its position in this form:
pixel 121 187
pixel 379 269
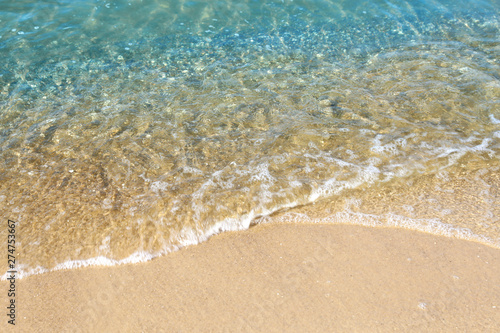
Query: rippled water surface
pixel 130 128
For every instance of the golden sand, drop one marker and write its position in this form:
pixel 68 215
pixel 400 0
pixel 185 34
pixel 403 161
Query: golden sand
pixel 279 278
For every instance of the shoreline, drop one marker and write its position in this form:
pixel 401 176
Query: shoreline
pixel 462 205
pixel 279 277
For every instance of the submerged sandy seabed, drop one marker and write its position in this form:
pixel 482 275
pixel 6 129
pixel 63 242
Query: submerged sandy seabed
pixel 279 278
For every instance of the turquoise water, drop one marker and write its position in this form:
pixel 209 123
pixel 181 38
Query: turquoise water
pixel 132 128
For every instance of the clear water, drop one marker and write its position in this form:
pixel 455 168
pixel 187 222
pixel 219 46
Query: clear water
pixel 131 128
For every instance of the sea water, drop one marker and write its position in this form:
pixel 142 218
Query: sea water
pixel 129 129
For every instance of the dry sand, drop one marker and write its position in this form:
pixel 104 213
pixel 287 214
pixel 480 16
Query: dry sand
pixel 278 278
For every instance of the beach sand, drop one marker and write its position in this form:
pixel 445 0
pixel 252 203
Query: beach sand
pixel 279 278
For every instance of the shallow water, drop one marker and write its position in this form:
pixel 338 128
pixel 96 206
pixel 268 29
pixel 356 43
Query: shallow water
pixel 131 128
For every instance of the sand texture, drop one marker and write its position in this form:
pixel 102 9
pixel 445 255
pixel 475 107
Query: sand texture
pixel 279 278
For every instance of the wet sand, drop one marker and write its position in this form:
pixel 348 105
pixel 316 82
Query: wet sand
pixel 278 278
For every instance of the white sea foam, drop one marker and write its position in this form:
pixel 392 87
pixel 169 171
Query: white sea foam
pixel 72 264
pixel 192 170
pixel 432 226
pixel 159 186
pixel 365 175
pixel 454 154
pixel 494 120
pixel 262 174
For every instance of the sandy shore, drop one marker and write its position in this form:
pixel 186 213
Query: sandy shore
pixel 278 278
